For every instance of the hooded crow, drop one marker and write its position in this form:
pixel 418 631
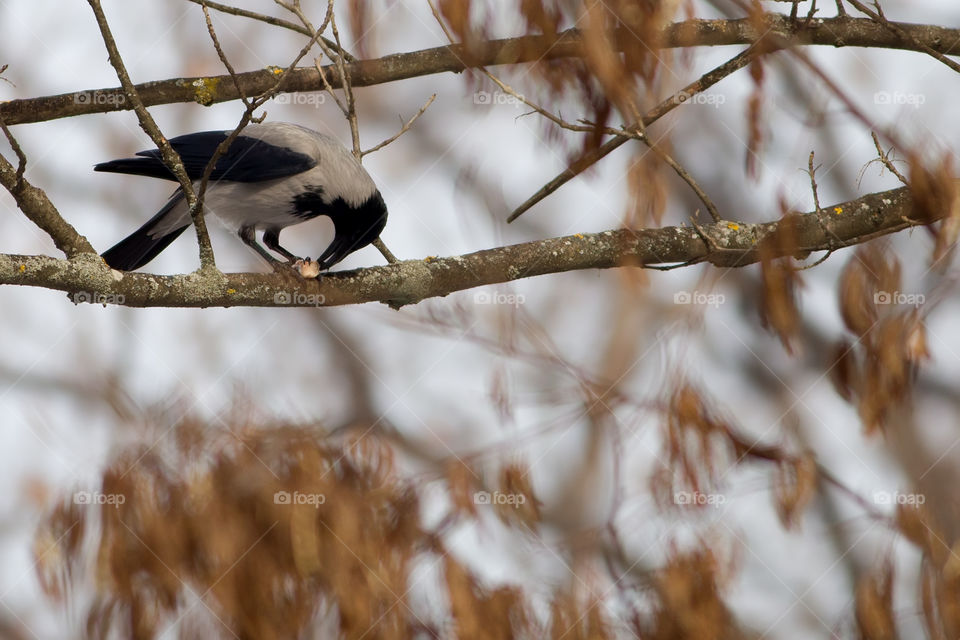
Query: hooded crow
pixel 272 176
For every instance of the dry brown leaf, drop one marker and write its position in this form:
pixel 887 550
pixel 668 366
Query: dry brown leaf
pixel 874 604
pixel 844 370
pixel 779 309
pixel 689 603
pixel 518 503
pixel 794 488
pixel 462 481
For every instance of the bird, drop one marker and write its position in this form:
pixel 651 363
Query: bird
pixel 272 176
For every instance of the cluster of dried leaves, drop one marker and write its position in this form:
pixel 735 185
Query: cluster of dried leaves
pixel 264 531
pixel 283 532
pixel 876 372
pixel 939 582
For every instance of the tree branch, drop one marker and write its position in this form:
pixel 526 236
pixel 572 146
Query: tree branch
pixel 728 244
pixel 837 32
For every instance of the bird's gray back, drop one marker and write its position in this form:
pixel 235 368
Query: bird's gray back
pixel 337 172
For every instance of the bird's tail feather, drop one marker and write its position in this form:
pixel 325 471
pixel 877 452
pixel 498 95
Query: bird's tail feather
pixel 144 244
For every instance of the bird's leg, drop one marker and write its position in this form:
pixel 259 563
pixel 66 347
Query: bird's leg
pixel 249 237
pixel 271 238
pixel 306 267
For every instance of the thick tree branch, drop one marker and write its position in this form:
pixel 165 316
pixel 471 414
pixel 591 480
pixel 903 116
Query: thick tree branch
pixel 837 32
pixel 728 244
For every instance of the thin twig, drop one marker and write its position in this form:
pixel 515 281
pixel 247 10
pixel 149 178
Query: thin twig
pixel 347 92
pixel 277 22
pixel 328 50
pixel 382 248
pixel 170 157
pixel 406 127
pixel 885 159
pixel 348 106
pixel 823 219
pixel 816 263
pixel 811 171
pixel 21 156
pixel 592 157
pixel 221 54
pixel 684 175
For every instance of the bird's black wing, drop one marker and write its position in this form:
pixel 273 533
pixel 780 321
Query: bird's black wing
pixel 248 159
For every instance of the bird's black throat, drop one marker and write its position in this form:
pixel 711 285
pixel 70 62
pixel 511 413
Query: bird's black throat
pixel 356 226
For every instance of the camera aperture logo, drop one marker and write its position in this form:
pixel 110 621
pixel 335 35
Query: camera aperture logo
pixel 698 297
pixel 895 497
pixel 313 499
pixel 313 98
pixel 99 98
pixel 511 499
pixel 496 98
pixel 297 299
pixel 712 99
pixel 899 98
pixel 498 297
pixel 95 297
pixel 699 499
pixel 898 297
pixel 96 497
